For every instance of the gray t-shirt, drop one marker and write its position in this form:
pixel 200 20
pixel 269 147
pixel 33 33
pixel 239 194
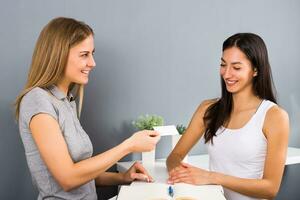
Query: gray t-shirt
pixel 53 102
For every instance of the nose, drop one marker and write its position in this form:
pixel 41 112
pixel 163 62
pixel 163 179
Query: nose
pixel 92 62
pixel 226 72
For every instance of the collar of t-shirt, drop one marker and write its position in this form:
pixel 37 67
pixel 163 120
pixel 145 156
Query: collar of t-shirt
pixel 59 94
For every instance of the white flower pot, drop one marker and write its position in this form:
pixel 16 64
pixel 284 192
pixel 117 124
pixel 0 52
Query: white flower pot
pixel 148 158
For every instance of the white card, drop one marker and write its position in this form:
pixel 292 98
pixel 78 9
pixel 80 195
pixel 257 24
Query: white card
pixel 166 130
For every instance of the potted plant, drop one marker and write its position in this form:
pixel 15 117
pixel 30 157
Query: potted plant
pixel 146 122
pixel 175 138
pixel 181 129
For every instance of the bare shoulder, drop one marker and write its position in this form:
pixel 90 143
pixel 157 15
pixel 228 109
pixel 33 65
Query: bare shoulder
pixel 276 114
pixel 206 104
pixel 276 119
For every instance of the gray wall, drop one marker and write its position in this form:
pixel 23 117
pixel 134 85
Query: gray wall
pixel 156 57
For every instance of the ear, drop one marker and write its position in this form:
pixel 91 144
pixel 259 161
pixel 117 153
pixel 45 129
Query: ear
pixel 255 72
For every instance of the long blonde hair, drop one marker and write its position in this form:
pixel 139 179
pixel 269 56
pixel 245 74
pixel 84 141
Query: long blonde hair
pixel 50 56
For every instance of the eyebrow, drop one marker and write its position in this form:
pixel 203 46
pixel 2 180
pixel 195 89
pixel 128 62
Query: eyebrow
pixel 87 51
pixel 233 63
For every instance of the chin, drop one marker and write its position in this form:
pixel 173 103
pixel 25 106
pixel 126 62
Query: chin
pixel 231 90
pixel 82 82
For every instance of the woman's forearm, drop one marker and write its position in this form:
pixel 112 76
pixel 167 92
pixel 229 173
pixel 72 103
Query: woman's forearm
pixel 259 188
pixel 55 153
pixel 89 169
pixel 110 178
pixel 173 161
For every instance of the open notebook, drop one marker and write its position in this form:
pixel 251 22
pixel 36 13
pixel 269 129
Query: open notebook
pixel 181 191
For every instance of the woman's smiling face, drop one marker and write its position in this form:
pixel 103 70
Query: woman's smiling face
pixel 236 70
pixel 80 62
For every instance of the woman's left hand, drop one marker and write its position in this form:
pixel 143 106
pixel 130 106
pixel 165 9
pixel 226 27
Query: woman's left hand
pixel 137 172
pixel 189 174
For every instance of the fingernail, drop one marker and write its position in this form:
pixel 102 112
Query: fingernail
pixel 146 178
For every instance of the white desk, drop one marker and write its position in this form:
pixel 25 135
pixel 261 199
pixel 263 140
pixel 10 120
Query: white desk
pixel 160 174
pixel 159 171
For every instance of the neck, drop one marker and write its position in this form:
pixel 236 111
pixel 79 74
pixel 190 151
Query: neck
pixel 245 100
pixel 64 87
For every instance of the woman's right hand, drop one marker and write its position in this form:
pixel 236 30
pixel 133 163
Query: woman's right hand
pixel 143 141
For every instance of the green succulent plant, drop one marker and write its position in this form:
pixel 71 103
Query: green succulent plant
pixel 181 129
pixel 146 122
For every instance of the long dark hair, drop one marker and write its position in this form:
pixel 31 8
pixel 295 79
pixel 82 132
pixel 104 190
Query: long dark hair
pixel 255 49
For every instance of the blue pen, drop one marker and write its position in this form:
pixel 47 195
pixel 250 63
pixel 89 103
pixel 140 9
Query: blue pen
pixel 171 191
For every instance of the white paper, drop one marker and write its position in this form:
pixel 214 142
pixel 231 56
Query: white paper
pixel 159 191
pixel 166 130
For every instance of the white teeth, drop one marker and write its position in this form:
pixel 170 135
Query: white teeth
pixel 230 82
pixel 85 71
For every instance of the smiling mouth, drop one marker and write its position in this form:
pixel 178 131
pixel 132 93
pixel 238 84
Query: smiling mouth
pixel 230 83
pixel 85 72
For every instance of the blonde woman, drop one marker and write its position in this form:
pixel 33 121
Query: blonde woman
pixel 57 149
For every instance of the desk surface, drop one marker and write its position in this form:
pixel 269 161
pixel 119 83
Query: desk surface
pixel 159 171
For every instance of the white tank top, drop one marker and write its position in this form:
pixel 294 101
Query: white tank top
pixel 240 152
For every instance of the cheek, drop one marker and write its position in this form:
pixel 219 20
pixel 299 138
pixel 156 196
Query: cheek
pixel 222 71
pixel 247 77
pixel 250 77
pixel 69 71
pixel 73 67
